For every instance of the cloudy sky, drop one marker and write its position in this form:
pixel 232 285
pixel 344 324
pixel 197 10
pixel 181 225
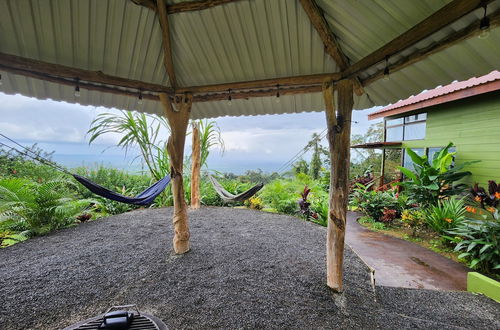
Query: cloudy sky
pixel 265 142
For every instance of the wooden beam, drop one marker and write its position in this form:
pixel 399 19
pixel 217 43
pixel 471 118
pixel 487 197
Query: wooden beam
pixel 330 42
pixel 151 4
pixel 339 131
pixel 468 32
pixel 154 97
pixel 62 71
pixel 166 42
pixel 257 93
pixel 441 18
pixel 284 81
pixel 178 121
pixel 184 6
pixel 81 84
pixel 195 166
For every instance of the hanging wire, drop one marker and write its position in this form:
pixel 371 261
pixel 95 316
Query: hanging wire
pixel 31 154
pixel 299 154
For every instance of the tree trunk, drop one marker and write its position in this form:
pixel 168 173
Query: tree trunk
pixel 178 118
pixel 339 134
pixel 195 168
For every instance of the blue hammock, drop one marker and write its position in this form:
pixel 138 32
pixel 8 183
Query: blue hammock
pixel 143 199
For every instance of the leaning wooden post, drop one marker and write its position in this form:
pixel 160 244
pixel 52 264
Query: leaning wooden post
pixel 195 167
pixel 178 118
pixel 339 134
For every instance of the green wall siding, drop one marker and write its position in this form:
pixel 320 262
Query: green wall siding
pixel 473 125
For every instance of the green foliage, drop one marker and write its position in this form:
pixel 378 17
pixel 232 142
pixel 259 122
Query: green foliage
pixel 282 195
pixel 39 207
pixel 210 136
pixel 138 129
pixel 17 165
pixel 479 242
pixel 433 180
pixel 320 209
pixel 371 202
pixel 300 166
pixel 448 214
pixel 413 219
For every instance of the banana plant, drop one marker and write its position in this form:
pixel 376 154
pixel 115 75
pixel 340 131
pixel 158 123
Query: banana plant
pixel 432 180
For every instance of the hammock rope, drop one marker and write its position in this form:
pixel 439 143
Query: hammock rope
pixel 228 197
pixel 142 199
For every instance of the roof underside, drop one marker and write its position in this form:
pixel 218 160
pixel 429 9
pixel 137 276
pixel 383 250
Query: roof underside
pixel 239 41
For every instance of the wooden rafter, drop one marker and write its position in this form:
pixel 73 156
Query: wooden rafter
pixel 184 6
pixel 440 19
pixel 22 64
pixel 330 42
pixel 468 32
pixel 167 46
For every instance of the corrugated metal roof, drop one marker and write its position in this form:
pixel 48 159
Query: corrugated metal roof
pixel 443 90
pixel 244 40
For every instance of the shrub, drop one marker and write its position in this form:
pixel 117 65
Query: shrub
pixel 414 219
pixel 488 201
pixel 373 203
pixel 39 207
pixel 281 195
pixel 255 203
pixel 388 215
pixel 480 242
pixel 448 214
pixel 433 180
pixel 320 210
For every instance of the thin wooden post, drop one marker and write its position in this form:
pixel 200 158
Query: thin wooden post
pixel 178 118
pixel 339 134
pixel 195 167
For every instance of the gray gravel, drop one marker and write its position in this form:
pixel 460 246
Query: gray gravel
pixel 247 269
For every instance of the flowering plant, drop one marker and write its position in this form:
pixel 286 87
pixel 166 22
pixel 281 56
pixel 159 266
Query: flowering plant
pixel 486 200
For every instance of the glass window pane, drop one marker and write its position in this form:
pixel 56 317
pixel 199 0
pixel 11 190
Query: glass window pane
pixel 407 162
pixel 431 153
pixel 394 134
pixel 417 117
pixel 415 131
pixel 391 122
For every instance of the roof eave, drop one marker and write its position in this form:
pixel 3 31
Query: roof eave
pixel 453 96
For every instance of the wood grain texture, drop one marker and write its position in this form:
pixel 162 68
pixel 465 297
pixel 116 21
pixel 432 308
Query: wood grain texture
pixel 57 70
pixel 339 132
pixel 441 18
pixel 184 6
pixel 470 31
pixel 166 42
pixel 195 166
pixel 178 118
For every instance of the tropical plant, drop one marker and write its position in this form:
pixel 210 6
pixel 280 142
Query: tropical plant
pixel 433 180
pixel 489 201
pixel 39 207
pixel 210 136
pixel 413 219
pixel 479 242
pixel 320 211
pixel 255 203
pixel 371 202
pixel 138 129
pixel 304 204
pixel 446 215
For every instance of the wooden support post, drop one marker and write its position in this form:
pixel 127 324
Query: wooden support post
pixel 195 167
pixel 339 134
pixel 382 169
pixel 178 118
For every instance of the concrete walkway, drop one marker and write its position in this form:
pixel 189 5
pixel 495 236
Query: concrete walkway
pixel 399 263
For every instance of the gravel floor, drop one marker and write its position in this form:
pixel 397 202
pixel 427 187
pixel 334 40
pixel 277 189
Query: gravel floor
pixel 247 269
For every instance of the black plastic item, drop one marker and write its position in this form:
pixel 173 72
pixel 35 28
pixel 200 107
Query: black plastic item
pixel 117 320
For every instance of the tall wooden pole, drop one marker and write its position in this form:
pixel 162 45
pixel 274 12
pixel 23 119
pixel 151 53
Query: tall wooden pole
pixel 178 118
pixel 339 136
pixel 195 167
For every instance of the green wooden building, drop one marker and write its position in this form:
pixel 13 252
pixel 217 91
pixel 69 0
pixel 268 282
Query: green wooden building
pixel 466 113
